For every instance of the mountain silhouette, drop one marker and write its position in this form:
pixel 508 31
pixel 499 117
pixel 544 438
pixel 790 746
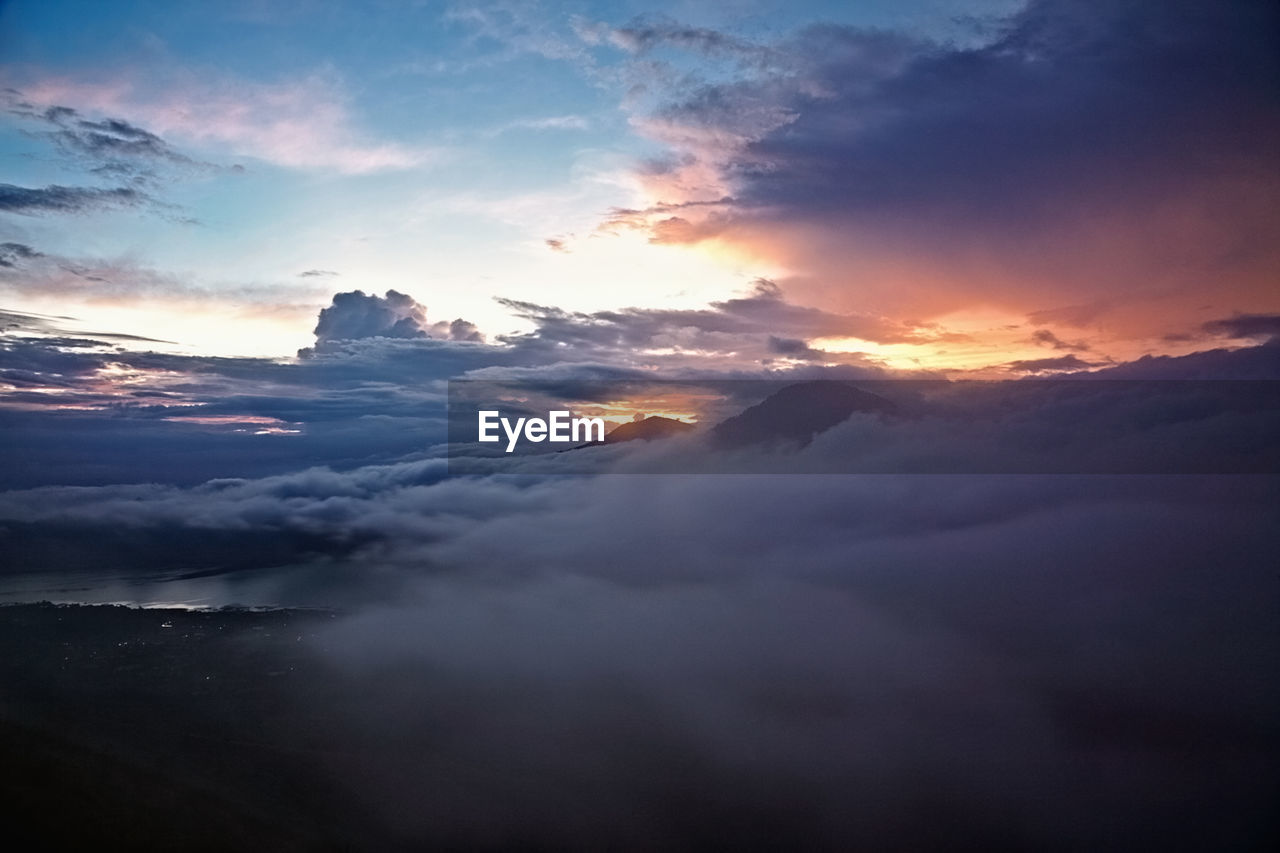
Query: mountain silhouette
pixel 796 413
pixel 647 429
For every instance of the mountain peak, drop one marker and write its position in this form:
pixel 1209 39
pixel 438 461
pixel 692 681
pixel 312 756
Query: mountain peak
pixel 796 413
pixel 646 429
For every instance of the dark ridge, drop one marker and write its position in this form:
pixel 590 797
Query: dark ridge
pixel 795 414
pixel 647 429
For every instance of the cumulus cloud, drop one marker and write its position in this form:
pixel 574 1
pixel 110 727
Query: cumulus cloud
pixel 355 316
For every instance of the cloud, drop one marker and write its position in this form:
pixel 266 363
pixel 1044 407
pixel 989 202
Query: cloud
pixel 518 28
pixel 565 122
pixel 20 320
pixel 1265 326
pixel 123 279
pixel 12 254
pixel 113 146
pixel 1114 155
pixel 464 330
pixel 647 34
pixel 597 662
pixel 1050 365
pixel 1255 362
pixel 112 149
pixel 89 397
pixel 1044 337
pixel 736 332
pixel 676 661
pixel 316 273
pixel 796 348
pixel 60 199
pixel 355 316
pixel 305 123
pixel 742 325
pixel 742 630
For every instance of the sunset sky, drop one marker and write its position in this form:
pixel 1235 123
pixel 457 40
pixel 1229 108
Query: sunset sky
pixel 934 184
pixel 938 557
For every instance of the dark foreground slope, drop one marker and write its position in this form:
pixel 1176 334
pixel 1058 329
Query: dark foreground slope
pixel 234 730
pixel 163 730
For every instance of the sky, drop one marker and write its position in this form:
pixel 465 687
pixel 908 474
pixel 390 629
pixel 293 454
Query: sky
pixel 968 184
pixel 245 247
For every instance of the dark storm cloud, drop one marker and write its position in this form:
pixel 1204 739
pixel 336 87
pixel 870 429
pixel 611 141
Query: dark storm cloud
pixel 60 199
pixel 1009 129
pixel 1048 171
